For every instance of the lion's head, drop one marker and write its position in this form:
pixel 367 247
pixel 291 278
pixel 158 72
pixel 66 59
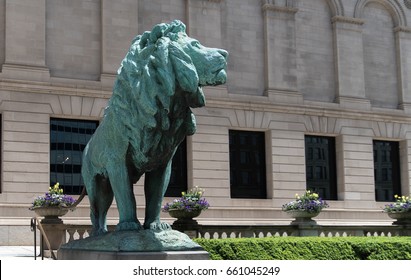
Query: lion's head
pixel 159 65
pixel 170 59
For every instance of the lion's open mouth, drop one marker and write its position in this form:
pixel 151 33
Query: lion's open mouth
pixel 218 77
pixel 221 77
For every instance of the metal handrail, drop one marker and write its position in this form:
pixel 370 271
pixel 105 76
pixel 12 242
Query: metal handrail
pixel 33 229
pixel 35 223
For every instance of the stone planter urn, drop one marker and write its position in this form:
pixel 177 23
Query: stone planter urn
pixel 402 218
pixel 302 217
pixel 304 208
pixel 51 214
pixel 185 217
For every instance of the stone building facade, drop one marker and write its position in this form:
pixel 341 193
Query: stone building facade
pixel 307 79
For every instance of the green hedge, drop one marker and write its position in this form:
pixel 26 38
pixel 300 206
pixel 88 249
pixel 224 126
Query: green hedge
pixel 308 248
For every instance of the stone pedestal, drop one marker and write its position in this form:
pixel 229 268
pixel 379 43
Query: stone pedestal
pixel 186 225
pixel 55 234
pixel 78 254
pixel 402 218
pixel 134 245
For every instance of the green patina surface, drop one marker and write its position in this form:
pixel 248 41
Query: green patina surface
pixel 146 119
pixel 135 241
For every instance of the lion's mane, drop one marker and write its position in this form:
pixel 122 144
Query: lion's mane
pixel 150 95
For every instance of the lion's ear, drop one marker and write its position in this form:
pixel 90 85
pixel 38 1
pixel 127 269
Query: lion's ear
pixel 184 69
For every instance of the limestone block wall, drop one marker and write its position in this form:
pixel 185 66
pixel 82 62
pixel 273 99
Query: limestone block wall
pixel 26 138
pixel 73 39
pixel 296 67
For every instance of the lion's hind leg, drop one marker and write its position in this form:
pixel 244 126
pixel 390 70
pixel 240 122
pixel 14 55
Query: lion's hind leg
pixel 101 197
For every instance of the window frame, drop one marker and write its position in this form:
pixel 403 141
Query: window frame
pixel 257 188
pixel 328 188
pixel 396 161
pixel 59 172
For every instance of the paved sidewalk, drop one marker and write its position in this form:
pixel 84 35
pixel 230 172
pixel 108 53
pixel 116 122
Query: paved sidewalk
pixel 18 252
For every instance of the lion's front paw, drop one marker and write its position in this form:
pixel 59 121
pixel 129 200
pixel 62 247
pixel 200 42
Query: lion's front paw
pixel 97 232
pixel 157 226
pixel 128 226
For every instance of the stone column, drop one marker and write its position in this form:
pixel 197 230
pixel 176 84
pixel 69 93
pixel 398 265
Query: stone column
pixel 25 46
pixel 348 51
pixel 119 20
pixel 405 165
pixel 280 53
pixel 403 45
pixel 355 168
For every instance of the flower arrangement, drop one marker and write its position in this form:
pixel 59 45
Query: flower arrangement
pixel 309 202
pixel 54 197
pixel 188 202
pixel 402 204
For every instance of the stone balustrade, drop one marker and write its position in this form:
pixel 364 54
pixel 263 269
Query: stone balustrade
pixel 74 232
pixel 81 231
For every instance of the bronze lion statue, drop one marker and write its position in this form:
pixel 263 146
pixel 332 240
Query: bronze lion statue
pixel 147 117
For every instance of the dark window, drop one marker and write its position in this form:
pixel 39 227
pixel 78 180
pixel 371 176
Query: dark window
pixel 386 170
pixel 68 138
pixel 320 165
pixel 247 164
pixel 178 179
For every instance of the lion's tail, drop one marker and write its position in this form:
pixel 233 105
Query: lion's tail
pixel 80 198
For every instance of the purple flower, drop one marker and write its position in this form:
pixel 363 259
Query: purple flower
pixel 309 202
pixel 402 204
pixel 54 197
pixel 190 201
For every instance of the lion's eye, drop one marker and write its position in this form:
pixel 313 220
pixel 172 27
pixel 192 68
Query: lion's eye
pixel 195 44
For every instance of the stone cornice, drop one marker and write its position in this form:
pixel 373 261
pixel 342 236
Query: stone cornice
pixel 53 88
pixel 349 20
pixel 262 103
pixel 279 9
